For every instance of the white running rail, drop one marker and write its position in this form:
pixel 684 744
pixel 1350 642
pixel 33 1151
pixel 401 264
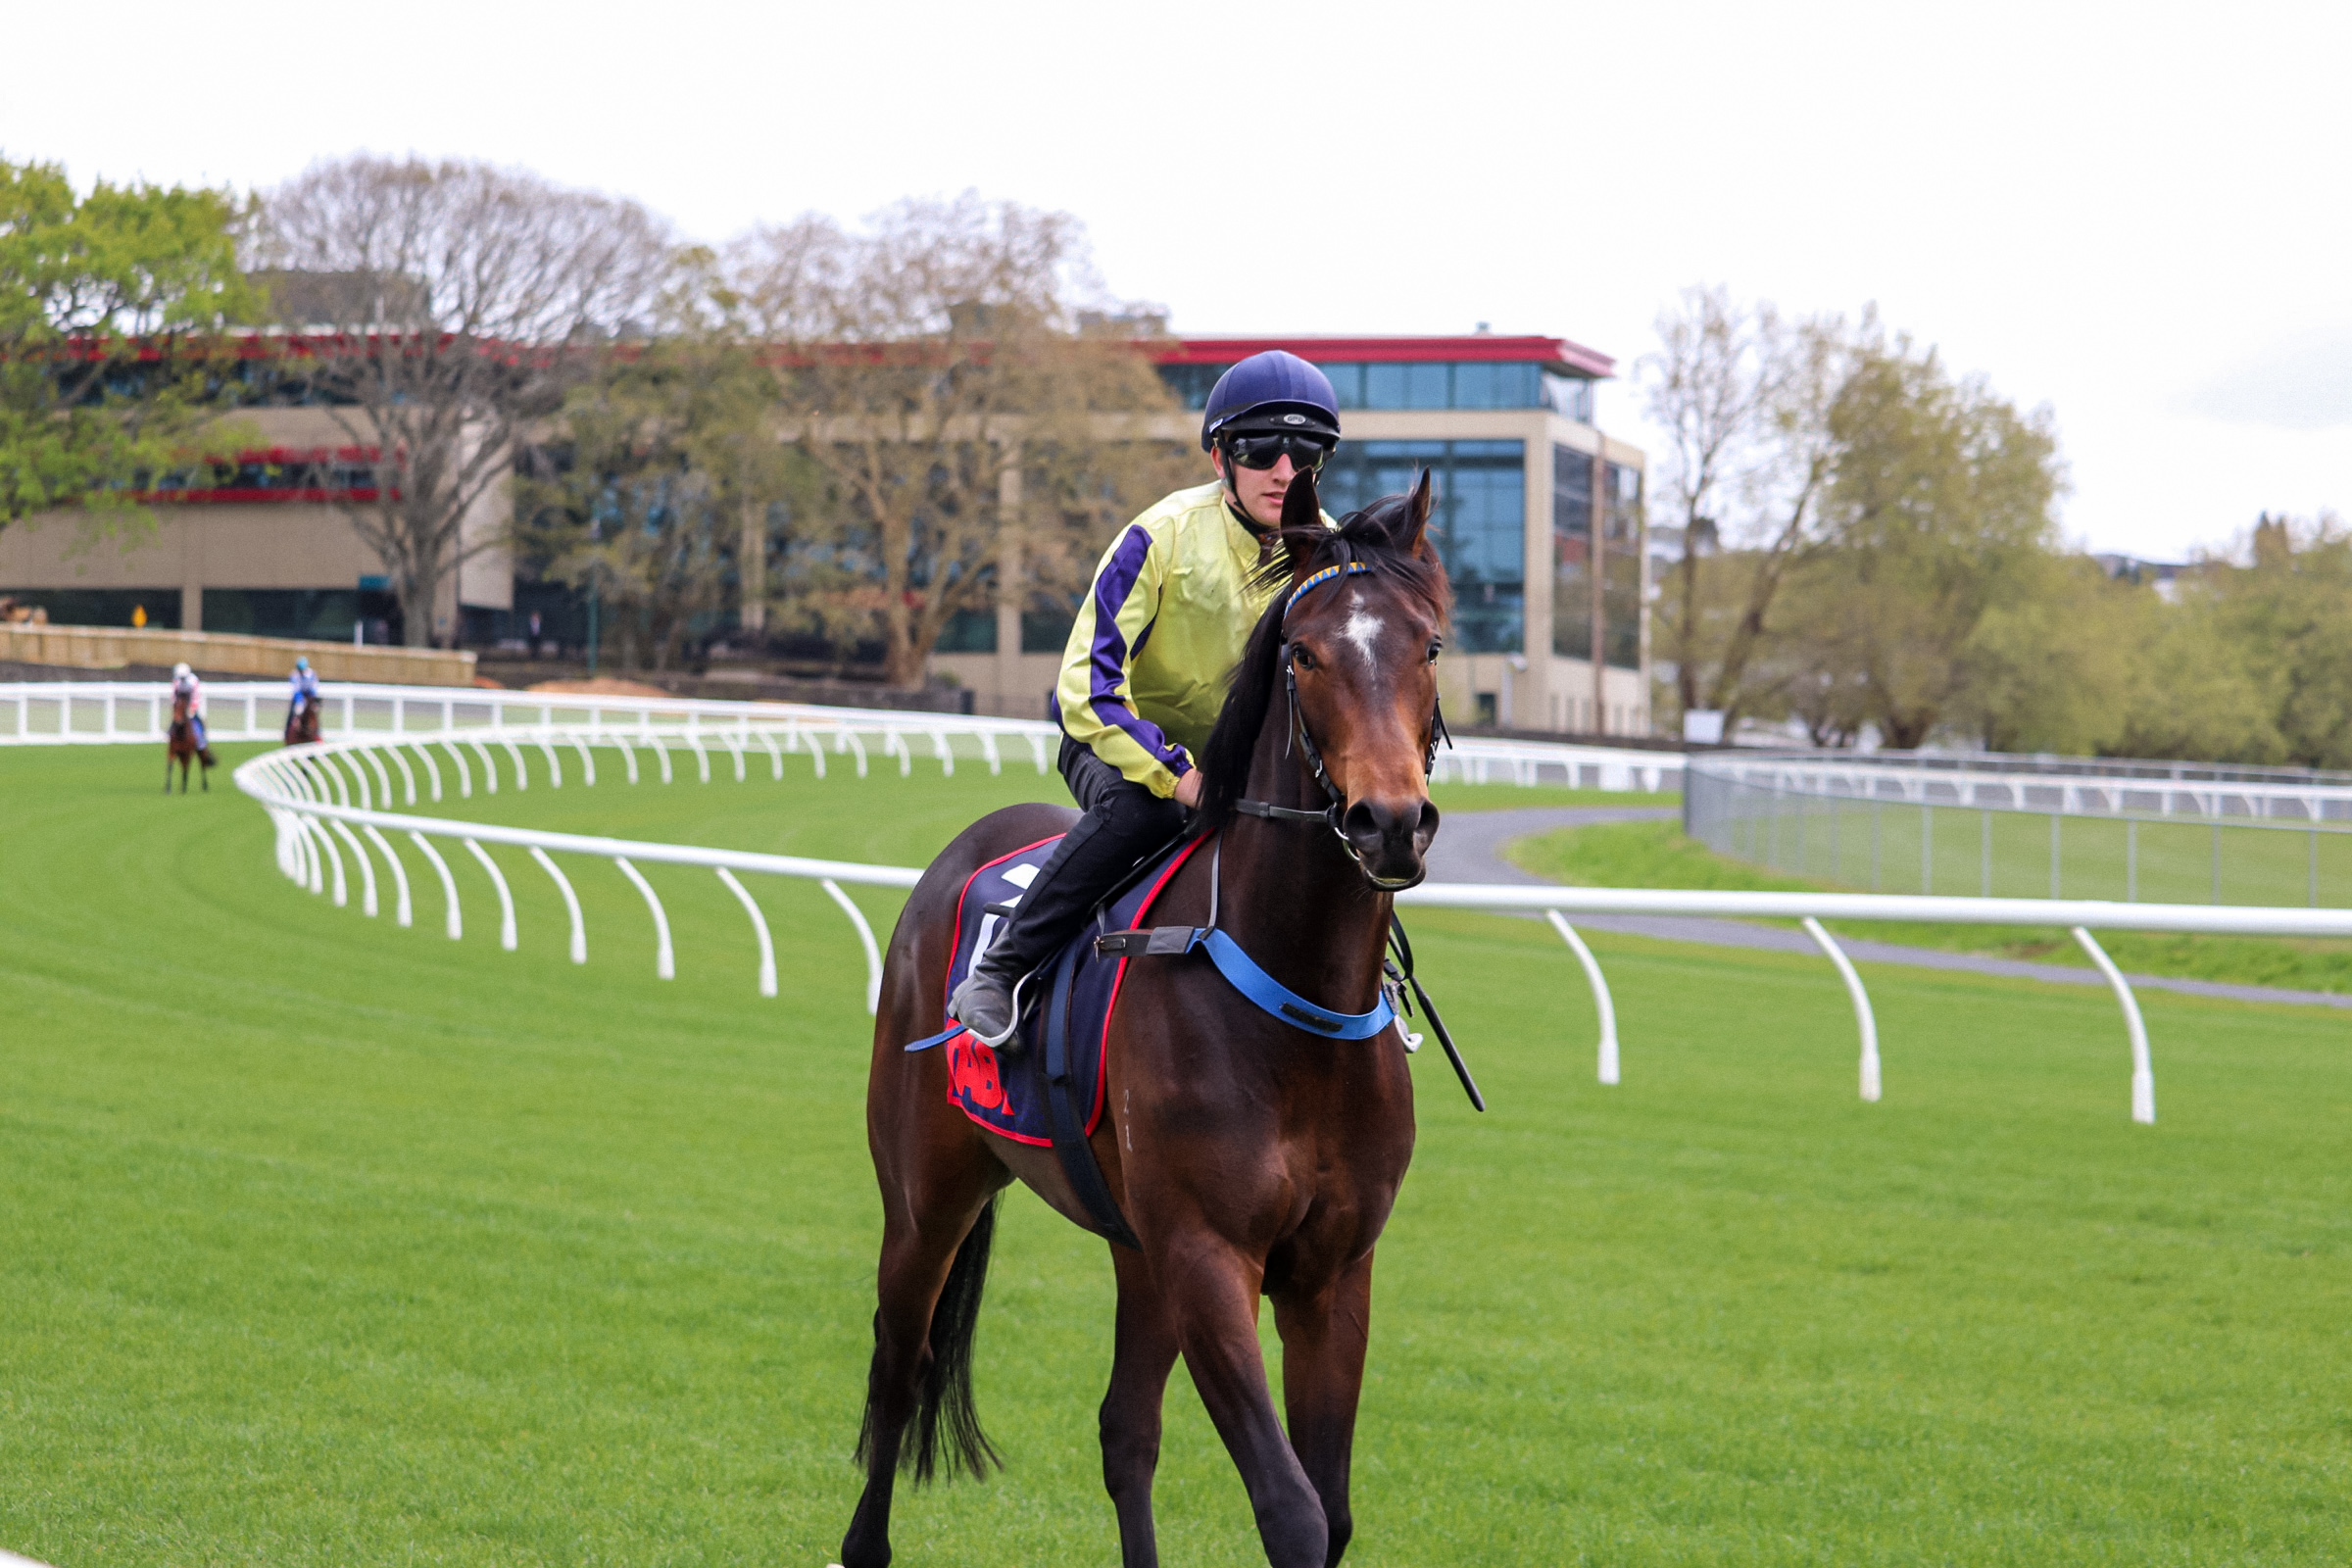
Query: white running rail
pixel 133 712
pixel 316 794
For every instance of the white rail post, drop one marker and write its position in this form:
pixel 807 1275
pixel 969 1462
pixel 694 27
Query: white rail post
pixel 702 759
pixel 734 746
pixel 489 767
pixel 453 921
pixel 665 961
pixel 359 852
pixel 555 769
pixel 523 774
pixel 571 904
pixel 767 946
pixel 1861 997
pixel 2143 1073
pixel 464 773
pixel 775 754
pixel 382 778
pixel 1601 1001
pixel 506 898
pixel 866 935
pixel 628 754
pixel 587 763
pixel 408 775
pixel 399 873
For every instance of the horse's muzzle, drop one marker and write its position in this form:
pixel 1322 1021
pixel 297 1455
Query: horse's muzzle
pixel 1390 840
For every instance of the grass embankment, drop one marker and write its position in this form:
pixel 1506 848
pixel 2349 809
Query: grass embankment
pixel 331 1243
pixel 1657 855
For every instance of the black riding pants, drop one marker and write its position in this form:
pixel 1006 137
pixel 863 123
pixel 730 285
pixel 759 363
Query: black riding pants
pixel 1123 822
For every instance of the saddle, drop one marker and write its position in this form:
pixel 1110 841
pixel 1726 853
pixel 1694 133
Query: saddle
pixel 1050 1091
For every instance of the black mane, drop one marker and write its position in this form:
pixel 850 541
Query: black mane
pixel 1388 537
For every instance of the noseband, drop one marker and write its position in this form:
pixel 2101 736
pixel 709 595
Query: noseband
pixel 1306 739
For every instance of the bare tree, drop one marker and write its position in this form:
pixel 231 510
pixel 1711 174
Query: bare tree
pixel 1745 399
pixel 437 309
pixel 968 429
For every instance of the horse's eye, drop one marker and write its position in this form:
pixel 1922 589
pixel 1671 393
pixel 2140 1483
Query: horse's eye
pixel 1303 657
pixel 1434 645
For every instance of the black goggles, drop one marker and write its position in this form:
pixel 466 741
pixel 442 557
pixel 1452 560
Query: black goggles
pixel 1306 452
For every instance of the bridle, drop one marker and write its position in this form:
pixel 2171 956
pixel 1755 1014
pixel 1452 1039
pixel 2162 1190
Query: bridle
pixel 1305 739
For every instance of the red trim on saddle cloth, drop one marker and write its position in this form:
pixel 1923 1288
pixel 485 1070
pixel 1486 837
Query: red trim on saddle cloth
pixel 973 1067
pixel 1118 980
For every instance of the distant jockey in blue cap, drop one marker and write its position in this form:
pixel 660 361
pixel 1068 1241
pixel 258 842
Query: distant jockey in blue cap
pixel 303 687
pixel 1144 672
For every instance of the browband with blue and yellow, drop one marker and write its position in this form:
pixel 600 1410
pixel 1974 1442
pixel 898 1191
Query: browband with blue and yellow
pixel 1350 570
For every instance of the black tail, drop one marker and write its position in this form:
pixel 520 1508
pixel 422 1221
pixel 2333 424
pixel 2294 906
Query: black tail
pixel 947 1425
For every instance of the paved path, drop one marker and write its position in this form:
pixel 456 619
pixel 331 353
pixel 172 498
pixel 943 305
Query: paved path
pixel 1469 849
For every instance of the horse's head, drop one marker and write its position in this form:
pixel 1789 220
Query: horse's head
pixel 1345 660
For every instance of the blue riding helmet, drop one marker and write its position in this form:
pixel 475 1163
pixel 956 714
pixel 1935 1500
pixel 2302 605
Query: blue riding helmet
pixel 1275 391
pixel 301 663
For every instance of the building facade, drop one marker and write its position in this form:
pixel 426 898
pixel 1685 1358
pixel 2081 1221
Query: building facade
pixel 256 545
pixel 1538 519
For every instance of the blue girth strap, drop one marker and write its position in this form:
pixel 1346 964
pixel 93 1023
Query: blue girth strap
pixel 1242 973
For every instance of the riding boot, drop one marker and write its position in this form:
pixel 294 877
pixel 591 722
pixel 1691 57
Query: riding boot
pixel 1123 822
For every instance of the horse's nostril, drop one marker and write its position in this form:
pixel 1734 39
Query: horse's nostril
pixel 1429 822
pixel 1362 823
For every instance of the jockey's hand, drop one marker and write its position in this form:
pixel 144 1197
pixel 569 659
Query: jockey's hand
pixel 1188 790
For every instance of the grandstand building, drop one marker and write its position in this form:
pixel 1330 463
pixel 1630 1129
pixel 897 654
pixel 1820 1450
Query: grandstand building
pixel 1539 521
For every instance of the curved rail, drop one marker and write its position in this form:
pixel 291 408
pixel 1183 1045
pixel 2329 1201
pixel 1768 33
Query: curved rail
pixel 307 791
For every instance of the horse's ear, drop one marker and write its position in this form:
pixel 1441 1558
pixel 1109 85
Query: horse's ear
pixel 1416 514
pixel 1302 507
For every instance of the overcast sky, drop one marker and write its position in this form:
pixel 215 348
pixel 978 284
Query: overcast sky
pixel 2135 213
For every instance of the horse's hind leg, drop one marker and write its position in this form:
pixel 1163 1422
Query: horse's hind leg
pixel 1323 1340
pixel 935 1240
pixel 1131 1409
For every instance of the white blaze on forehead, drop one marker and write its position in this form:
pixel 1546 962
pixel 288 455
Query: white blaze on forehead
pixel 1362 627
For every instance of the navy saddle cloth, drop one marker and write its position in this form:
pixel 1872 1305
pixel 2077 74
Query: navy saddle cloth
pixel 1007 1094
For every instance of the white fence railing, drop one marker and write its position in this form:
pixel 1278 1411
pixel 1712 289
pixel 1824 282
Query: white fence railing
pixel 1999 783
pixel 317 795
pixel 68 713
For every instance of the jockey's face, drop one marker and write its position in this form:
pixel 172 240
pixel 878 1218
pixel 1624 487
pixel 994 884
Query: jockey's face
pixel 1261 489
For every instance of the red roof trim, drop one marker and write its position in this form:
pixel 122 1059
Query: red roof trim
pixel 1552 352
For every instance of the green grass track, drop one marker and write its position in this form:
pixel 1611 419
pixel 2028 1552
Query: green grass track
pixel 329 1242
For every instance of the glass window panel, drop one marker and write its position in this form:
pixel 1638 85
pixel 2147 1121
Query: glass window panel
pixel 1384 386
pixel 1425 386
pixel 1346 383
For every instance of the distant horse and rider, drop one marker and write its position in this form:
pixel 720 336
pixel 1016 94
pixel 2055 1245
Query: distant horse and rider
pixel 301 704
pixel 1249 1117
pixel 186 742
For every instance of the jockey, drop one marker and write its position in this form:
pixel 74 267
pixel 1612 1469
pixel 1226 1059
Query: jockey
pixel 1144 672
pixel 303 688
pixel 185 685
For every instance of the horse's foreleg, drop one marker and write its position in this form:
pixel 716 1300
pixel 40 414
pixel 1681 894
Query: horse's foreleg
pixel 1214 1292
pixel 1323 1340
pixel 1131 1409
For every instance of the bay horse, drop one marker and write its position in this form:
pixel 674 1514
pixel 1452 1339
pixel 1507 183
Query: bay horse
pixel 1248 1157
pixel 180 746
pixel 302 724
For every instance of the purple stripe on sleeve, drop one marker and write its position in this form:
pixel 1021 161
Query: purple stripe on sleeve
pixel 1109 657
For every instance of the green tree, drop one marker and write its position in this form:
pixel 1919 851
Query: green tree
pixel 1940 505
pixel 2288 616
pixel 113 306
pixel 660 489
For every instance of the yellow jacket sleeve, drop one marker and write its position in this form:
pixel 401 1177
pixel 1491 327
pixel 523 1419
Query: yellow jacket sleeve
pixel 1096 692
